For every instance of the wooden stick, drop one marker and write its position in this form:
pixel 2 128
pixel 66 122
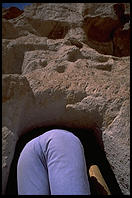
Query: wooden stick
pixel 97 180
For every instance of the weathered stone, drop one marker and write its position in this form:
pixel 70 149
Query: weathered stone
pixel 9 139
pixel 63 12
pixel 101 26
pixel 16 94
pixel 13 52
pixel 32 60
pixel 121 41
pixel 8 30
pixel 117 140
pixel 74 41
pixel 11 13
pixel 89 21
pixel 11 83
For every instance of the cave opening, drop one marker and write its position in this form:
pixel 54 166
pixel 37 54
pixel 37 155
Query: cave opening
pixel 94 155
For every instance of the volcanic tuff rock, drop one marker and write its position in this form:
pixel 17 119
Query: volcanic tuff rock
pixel 68 65
pixel 11 12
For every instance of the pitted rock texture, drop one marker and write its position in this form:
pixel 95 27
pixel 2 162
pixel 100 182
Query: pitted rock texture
pixel 68 65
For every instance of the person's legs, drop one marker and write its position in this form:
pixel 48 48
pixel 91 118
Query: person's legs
pixel 61 164
pixel 32 175
pixel 66 163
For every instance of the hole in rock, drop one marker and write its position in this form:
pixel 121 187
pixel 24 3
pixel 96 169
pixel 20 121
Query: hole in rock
pixel 108 35
pixel 74 55
pixel 61 68
pixel 94 154
pixel 50 28
pixel 59 32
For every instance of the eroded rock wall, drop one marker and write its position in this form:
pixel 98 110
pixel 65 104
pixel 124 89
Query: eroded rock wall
pixel 68 65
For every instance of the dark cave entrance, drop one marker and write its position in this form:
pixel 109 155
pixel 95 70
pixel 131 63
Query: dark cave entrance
pixel 94 155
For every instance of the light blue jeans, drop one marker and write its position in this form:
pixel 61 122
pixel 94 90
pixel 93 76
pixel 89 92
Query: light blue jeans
pixel 53 164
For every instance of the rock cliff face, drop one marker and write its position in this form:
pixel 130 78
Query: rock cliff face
pixel 67 64
pixel 11 13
